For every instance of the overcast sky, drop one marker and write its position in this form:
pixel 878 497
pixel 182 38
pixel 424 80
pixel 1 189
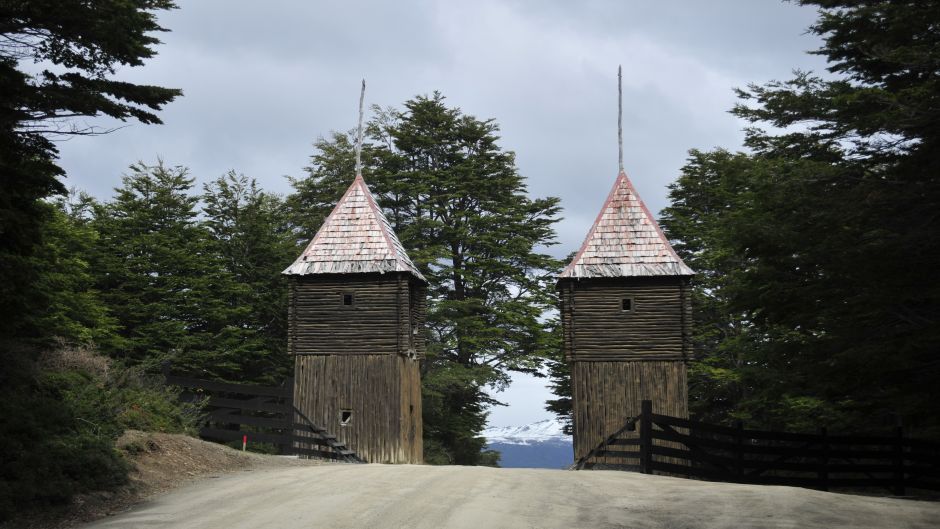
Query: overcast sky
pixel 263 80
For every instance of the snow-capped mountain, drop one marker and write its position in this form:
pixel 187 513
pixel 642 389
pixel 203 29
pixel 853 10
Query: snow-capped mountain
pixel 538 432
pixel 538 445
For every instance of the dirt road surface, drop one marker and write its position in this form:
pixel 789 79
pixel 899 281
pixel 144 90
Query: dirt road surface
pixel 405 496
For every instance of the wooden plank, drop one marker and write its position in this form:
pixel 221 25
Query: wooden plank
pixel 932 446
pixel 922 458
pixel 321 454
pixel 213 385
pixel 694 471
pixel 222 417
pixel 923 484
pixel 724 464
pixel 793 451
pixel 622 454
pixel 236 435
pixel 612 466
pixel 624 442
pixel 255 404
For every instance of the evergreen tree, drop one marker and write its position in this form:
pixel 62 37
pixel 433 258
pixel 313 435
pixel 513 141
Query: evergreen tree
pixel 154 268
pixel 44 275
pixel 82 43
pixel 73 310
pixel 251 244
pixel 814 246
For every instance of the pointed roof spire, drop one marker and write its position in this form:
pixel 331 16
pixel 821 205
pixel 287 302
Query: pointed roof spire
pixel 356 237
pixel 620 115
pixel 625 240
pixel 362 97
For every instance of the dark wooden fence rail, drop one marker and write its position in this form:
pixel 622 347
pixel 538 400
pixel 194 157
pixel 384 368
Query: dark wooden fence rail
pixel 264 414
pixel 675 446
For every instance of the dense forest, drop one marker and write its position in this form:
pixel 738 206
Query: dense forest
pixel 813 244
pixel 813 247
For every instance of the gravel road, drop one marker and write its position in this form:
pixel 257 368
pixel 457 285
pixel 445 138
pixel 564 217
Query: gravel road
pixel 408 496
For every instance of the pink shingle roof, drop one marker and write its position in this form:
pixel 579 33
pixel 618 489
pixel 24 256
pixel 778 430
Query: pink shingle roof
pixel 625 241
pixel 355 238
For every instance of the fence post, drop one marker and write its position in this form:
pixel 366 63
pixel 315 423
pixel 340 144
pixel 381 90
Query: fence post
pixel 899 461
pixel 291 419
pixel 739 450
pixel 646 436
pixel 823 473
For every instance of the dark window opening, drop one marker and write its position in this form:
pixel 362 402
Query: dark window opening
pixel 345 416
pixel 348 299
pixel 626 304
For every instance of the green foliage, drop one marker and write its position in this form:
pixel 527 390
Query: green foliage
pixel 489 458
pixel 73 311
pixel 559 373
pixel 49 449
pixel 61 419
pixel 251 241
pixel 204 294
pixel 811 304
pixel 459 206
pixel 80 44
pixel 152 266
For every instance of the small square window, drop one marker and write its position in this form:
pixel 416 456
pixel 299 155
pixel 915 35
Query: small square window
pixel 348 299
pixel 626 304
pixel 345 417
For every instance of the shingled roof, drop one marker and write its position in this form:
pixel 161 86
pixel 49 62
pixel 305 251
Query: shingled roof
pixel 625 241
pixel 355 238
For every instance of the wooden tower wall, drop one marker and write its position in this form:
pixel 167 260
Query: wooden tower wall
pixel 620 358
pixel 386 310
pixel 597 329
pixel 606 394
pixel 362 358
pixel 383 392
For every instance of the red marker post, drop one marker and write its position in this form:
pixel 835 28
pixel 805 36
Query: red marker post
pixel 244 442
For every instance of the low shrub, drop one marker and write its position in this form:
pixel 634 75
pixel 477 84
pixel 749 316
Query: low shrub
pixel 60 420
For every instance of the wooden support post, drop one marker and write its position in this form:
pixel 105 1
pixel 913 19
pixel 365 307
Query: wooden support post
pixel 739 450
pixel 291 416
pixel 646 437
pixel 823 473
pixel 899 461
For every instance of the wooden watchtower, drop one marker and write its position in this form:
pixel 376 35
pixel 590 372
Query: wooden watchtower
pixel 356 310
pixel 626 314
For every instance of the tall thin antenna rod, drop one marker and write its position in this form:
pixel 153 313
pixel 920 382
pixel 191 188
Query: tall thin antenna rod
pixel 362 97
pixel 620 114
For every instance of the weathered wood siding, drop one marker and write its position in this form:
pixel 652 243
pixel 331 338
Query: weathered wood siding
pixel 382 392
pixel 386 311
pixel 606 394
pixel 596 328
pixel 361 358
pixel 412 427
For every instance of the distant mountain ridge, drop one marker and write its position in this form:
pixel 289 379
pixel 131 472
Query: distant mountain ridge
pixel 544 431
pixel 541 444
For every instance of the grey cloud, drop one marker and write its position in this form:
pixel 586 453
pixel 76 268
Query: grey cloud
pixel 262 81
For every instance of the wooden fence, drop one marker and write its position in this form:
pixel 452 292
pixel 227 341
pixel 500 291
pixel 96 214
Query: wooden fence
pixel 265 414
pixel 675 446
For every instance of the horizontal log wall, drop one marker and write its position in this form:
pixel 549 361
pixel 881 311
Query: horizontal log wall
pixel 378 322
pixel 596 328
pixel 377 390
pixel 416 316
pixel 606 394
